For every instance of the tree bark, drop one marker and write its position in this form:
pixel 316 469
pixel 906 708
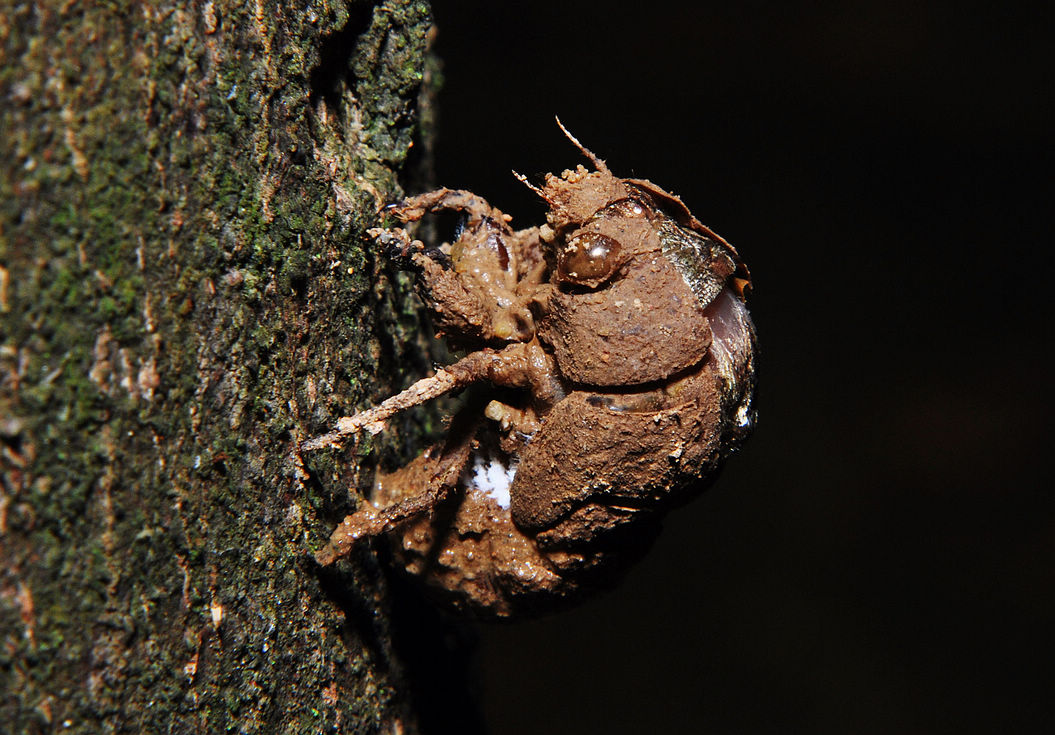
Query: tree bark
pixel 187 293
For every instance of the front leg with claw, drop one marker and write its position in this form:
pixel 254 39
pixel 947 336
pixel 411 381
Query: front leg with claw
pixel 478 288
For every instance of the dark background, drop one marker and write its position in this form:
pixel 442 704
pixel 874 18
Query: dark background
pixel 879 557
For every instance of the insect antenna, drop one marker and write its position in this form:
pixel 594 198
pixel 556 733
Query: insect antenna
pixel 597 162
pixel 524 180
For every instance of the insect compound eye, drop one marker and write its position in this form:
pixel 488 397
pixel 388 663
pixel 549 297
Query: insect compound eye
pixel 588 259
pixel 629 207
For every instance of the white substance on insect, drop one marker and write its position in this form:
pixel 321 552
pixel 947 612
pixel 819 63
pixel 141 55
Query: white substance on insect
pixel 491 476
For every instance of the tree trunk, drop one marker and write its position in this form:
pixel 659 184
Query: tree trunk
pixel 186 294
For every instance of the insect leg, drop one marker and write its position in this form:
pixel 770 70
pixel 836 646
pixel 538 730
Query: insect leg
pixel 442 475
pixel 468 370
pixel 456 200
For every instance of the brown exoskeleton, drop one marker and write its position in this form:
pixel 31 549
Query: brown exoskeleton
pixel 619 357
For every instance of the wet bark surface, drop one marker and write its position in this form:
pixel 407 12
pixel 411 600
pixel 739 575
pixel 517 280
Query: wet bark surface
pixel 186 292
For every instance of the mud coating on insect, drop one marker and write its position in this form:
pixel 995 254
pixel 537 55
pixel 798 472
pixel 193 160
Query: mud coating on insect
pixel 610 362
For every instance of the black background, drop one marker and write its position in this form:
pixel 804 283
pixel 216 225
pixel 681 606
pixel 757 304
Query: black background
pixel 879 557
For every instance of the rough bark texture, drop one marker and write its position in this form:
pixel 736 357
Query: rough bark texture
pixel 186 293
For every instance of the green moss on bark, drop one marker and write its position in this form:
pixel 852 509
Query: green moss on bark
pixel 184 295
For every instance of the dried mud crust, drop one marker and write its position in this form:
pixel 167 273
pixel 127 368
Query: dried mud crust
pixel 644 328
pixel 598 463
pixel 614 368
